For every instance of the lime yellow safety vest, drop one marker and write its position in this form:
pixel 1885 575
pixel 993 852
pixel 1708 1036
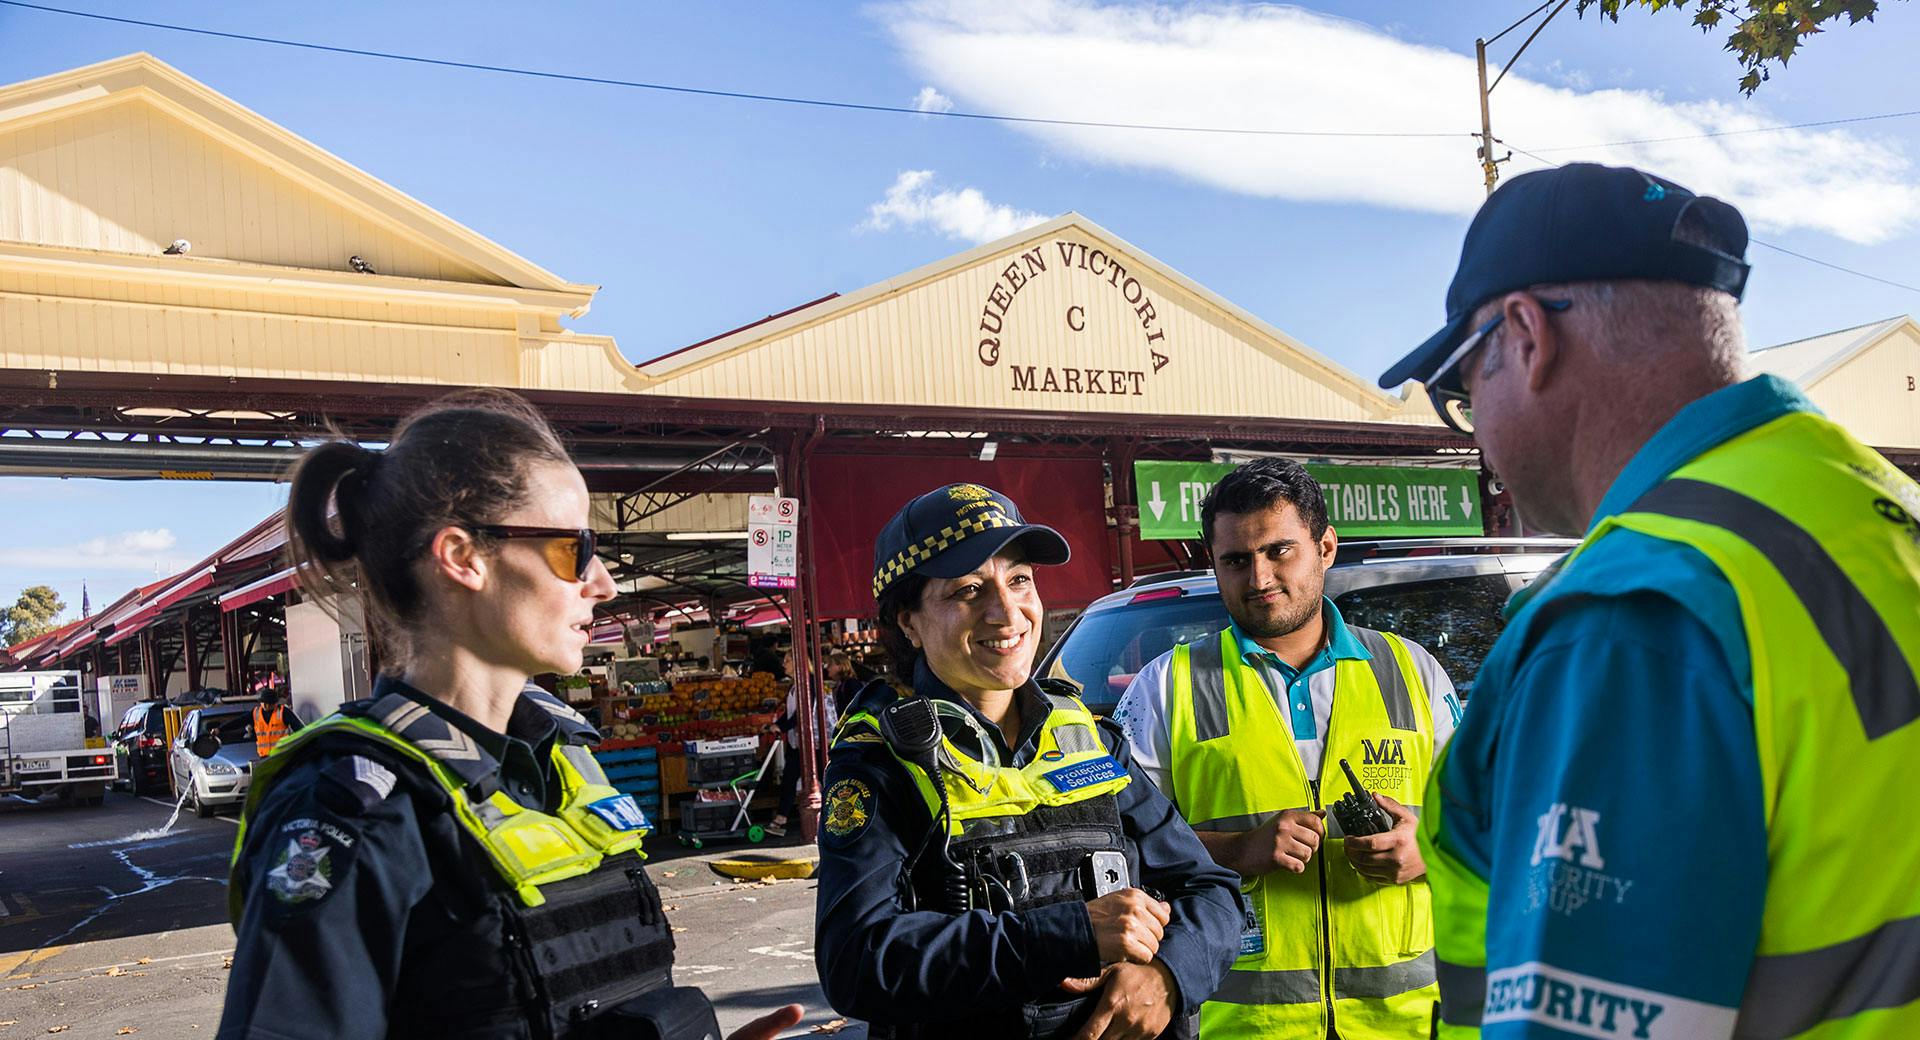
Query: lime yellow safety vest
pixel 1070 765
pixel 1327 947
pixel 1819 539
pixel 527 848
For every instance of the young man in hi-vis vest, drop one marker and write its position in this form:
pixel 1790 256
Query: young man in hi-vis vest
pixel 1673 811
pixel 1245 730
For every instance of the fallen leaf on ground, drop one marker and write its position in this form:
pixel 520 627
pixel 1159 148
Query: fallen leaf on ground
pixel 667 873
pixel 676 928
pixel 30 985
pixel 830 1027
pixel 227 961
pixel 56 1029
pixel 124 1030
pixel 115 970
pixel 135 974
pixel 144 960
pixel 671 907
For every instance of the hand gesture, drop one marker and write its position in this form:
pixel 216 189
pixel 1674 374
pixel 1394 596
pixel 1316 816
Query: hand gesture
pixel 1128 925
pixel 1391 857
pixel 1286 842
pixel 1136 1002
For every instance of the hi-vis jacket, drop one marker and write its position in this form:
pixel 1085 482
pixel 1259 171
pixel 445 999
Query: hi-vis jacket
pixel 1812 539
pixel 400 862
pixel 1327 948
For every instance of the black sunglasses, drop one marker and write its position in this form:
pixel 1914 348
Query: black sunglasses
pixel 1447 386
pixel 569 550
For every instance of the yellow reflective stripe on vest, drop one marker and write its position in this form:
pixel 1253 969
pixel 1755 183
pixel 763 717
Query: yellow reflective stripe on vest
pixel 527 848
pixel 1235 767
pixel 1068 741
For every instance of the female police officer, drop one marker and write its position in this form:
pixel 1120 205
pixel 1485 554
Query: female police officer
pixel 446 859
pixel 987 853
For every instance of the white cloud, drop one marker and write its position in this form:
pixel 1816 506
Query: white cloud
pixel 965 214
pixel 931 100
pixel 144 551
pixel 1279 67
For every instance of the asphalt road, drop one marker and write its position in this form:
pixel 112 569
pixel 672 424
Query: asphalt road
pixel 109 922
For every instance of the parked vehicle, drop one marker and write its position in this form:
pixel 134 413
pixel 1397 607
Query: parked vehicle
pixel 1443 593
pixel 219 779
pixel 140 747
pixel 44 746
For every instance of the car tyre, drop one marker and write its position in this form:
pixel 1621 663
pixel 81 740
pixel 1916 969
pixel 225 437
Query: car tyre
pixel 200 808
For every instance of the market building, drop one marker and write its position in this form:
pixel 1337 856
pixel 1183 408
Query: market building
pixel 189 291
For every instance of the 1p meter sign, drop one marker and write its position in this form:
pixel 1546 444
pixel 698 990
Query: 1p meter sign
pixel 773 559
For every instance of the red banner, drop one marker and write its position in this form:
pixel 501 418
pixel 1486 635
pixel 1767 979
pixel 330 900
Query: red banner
pixel 853 496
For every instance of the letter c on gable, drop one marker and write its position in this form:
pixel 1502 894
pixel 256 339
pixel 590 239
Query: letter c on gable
pixel 1077 318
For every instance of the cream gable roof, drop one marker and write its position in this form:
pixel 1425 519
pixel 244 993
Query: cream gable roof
pixel 247 194
pixel 1062 317
pixel 1867 378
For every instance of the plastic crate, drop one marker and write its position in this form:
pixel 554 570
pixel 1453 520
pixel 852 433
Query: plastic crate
pixel 718 761
pixel 702 817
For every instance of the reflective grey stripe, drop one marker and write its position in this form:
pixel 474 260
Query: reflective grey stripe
pixel 1790 993
pixel 1236 823
pixel 1075 737
pixel 1393 683
pixel 1463 993
pixel 1388 980
pixel 1301 986
pixel 1885 690
pixel 1209 680
pixel 585 764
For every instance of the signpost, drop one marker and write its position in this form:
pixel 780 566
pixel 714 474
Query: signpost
pixel 1362 501
pixel 773 542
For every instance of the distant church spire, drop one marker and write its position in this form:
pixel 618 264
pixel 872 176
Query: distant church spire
pixel 86 605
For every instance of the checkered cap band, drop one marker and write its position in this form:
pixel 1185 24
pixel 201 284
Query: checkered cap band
pixel 934 544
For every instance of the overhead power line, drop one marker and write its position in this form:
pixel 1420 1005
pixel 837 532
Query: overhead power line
pixel 1758 242
pixel 739 95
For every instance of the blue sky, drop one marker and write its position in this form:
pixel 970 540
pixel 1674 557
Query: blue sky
pixel 699 214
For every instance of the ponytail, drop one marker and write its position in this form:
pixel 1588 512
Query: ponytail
pixel 333 476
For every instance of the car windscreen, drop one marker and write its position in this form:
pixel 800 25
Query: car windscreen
pixel 233 729
pixel 1109 647
pixel 1456 619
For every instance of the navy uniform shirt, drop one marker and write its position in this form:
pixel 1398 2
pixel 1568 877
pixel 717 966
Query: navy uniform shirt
pixel 881 963
pixel 361 889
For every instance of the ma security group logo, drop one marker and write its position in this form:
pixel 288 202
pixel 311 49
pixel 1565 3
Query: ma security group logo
pixel 1584 1005
pixel 1567 870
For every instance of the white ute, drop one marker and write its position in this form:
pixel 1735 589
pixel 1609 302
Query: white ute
pixel 44 747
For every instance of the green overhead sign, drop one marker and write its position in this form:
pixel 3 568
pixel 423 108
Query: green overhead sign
pixel 1362 501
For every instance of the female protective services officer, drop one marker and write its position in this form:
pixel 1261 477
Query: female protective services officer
pixel 990 864
pixel 446 859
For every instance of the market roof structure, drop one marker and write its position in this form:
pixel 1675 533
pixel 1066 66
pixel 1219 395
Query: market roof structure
pixel 1866 377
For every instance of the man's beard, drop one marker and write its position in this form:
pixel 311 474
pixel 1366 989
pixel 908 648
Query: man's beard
pixel 1284 624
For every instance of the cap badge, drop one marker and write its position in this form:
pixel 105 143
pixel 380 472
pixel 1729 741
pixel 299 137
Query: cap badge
pixel 968 493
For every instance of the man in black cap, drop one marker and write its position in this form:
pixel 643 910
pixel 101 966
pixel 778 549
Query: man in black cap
pixel 1680 752
pixel 1010 873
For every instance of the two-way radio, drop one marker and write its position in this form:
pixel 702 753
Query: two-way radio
pixel 1357 812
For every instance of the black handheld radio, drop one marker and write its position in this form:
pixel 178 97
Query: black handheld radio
pixel 1357 811
pixel 911 728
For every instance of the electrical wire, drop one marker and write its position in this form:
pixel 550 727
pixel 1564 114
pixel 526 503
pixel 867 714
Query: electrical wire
pixel 1733 133
pixel 738 95
pixel 1755 241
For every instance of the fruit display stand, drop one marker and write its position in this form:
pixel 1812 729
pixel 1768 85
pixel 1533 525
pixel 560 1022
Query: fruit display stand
pixel 646 730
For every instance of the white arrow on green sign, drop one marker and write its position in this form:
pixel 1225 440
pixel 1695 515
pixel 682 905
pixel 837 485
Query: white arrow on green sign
pixel 1362 501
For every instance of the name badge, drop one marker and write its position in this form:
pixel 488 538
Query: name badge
pixel 1085 774
pixel 620 812
pixel 1253 938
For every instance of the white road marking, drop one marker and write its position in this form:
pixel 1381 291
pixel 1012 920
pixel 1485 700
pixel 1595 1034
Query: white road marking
pixel 169 805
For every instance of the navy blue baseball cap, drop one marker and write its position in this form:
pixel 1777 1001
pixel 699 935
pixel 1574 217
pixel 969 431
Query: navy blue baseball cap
pixel 949 531
pixel 1581 222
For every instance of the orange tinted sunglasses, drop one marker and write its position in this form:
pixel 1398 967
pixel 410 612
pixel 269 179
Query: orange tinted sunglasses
pixel 568 551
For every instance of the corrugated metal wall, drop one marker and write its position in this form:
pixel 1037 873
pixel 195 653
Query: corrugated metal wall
pixel 65 183
pixel 923 346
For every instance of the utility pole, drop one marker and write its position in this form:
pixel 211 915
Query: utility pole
pixel 1488 168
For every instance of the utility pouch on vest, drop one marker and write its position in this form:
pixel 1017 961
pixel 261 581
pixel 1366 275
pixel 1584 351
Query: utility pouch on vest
pixel 598 941
pixel 670 1013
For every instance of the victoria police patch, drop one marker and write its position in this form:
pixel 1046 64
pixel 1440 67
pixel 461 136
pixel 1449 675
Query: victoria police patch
pixel 849 807
pixel 312 857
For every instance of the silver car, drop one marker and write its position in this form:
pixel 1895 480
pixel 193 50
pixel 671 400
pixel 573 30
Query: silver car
pixel 220 780
pixel 1443 593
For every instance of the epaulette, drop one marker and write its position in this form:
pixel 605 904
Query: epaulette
pixel 574 727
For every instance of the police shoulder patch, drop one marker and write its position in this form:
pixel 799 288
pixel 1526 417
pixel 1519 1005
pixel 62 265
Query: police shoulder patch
pixel 848 809
pixel 310 857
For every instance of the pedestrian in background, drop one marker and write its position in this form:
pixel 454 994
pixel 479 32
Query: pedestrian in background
pixel 991 865
pixel 1246 730
pixel 1666 813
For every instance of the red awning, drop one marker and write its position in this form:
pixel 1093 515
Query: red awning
pixel 765 616
pixel 271 585
pixel 191 586
pixel 131 625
